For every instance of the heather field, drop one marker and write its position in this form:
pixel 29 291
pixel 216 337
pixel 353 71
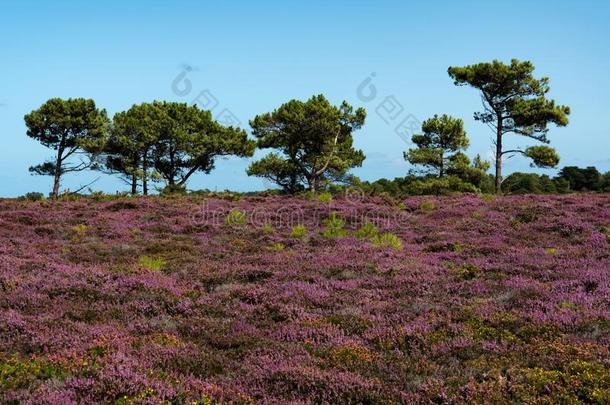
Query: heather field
pixel 295 300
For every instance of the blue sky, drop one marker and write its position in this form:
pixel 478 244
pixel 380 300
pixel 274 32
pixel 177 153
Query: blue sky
pixel 253 56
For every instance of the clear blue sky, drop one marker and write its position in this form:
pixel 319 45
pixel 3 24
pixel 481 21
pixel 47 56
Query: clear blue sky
pixel 252 56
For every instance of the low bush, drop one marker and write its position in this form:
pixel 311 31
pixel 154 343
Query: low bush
pixel 33 196
pixel 298 231
pixel 236 217
pixel 367 231
pixel 267 229
pixel 152 263
pixel 276 247
pixel 325 197
pixel 427 206
pixel 334 227
pixel 387 240
pixel 173 189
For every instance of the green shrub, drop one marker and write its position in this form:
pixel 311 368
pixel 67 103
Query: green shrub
pixel 173 189
pixel 334 227
pixel 350 356
pixel 468 271
pixel 325 197
pixel 99 196
pixel 79 231
pixel 267 229
pixel 427 206
pixel 298 231
pixel 33 196
pixel 387 240
pixel 152 263
pixel 367 231
pixel 532 183
pixel 236 217
pixel 577 382
pixel 439 186
pixel 604 183
pixel 276 247
pixel 19 374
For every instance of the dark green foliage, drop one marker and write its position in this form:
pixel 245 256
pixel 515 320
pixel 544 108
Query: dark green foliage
pixel 604 183
pixel 73 128
pixel 436 186
pixel 588 179
pixel 173 189
pixel 437 147
pixel 474 173
pixel 130 148
pixel 514 102
pixel 312 142
pixel 334 226
pixel 414 185
pixel 439 151
pixel 532 183
pixel 171 142
pixel 32 196
pixel 190 140
pixel 542 156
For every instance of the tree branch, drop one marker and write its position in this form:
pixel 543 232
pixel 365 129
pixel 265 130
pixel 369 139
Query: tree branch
pixel 82 188
pixel 332 152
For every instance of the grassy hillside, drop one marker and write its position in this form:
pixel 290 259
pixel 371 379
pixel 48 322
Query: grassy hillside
pixel 277 299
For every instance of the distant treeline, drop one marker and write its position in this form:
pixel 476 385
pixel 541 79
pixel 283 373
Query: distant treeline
pixel 163 144
pixel 569 179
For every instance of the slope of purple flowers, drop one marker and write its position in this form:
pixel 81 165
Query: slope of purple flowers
pixel 194 300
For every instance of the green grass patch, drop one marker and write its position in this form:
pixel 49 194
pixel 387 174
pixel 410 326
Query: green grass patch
pixel 387 240
pixel 367 231
pixel 276 247
pixel 427 206
pixel 267 229
pixel 18 373
pixel 334 227
pixel 152 263
pixel 298 231
pixel 236 217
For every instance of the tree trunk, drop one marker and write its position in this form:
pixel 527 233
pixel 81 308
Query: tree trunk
pixel 499 156
pixel 293 183
pixel 56 179
pixel 57 173
pixel 172 167
pixel 145 173
pixel 134 184
pixel 312 185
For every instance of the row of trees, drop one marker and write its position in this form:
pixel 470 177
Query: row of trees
pixel 569 179
pixel 169 142
pixel 311 141
pixel 149 142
